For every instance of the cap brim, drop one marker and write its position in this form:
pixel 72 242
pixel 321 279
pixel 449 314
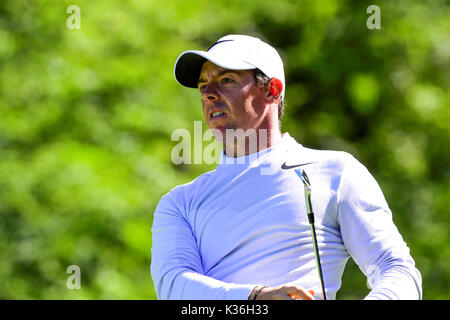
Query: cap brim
pixel 189 64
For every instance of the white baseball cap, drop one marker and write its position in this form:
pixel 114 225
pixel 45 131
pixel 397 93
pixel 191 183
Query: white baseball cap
pixel 234 52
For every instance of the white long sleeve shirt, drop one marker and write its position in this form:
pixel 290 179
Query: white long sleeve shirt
pixel 245 224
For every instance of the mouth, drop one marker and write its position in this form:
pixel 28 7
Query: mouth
pixel 216 115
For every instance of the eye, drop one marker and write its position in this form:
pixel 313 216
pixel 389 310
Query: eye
pixel 227 80
pixel 202 87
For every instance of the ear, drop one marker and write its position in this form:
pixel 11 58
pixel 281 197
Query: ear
pixel 275 88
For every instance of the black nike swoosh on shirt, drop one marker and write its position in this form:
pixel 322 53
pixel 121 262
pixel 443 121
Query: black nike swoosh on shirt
pixel 285 167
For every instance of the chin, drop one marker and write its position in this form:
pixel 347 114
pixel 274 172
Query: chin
pixel 218 132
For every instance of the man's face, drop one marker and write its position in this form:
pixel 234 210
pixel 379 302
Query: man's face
pixel 231 99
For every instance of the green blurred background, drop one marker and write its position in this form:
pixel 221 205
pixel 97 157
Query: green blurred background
pixel 86 118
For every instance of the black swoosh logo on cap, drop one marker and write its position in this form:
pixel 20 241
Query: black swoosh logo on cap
pixel 218 43
pixel 285 167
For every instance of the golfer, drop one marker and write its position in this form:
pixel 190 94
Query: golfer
pixel 241 231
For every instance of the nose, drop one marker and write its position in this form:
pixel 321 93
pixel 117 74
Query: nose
pixel 209 93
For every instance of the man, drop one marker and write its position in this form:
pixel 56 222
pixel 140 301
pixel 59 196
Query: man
pixel 241 231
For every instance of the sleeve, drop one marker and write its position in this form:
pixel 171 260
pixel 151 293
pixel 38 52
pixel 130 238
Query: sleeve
pixel 372 239
pixel 176 266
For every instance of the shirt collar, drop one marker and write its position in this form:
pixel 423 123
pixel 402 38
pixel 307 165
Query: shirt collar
pixel 285 140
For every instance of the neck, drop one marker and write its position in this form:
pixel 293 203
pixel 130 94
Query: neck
pixel 240 143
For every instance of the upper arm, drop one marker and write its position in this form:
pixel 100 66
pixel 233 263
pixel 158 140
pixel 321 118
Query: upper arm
pixel 174 249
pixel 368 231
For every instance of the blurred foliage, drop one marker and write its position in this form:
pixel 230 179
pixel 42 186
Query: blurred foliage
pixel 86 118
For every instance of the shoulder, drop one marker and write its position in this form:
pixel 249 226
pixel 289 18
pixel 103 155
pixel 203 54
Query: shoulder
pixel 333 160
pixel 185 192
pixel 332 157
pixel 351 179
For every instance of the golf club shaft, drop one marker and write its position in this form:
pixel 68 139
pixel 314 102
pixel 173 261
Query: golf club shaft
pixel 307 187
pixel 319 267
